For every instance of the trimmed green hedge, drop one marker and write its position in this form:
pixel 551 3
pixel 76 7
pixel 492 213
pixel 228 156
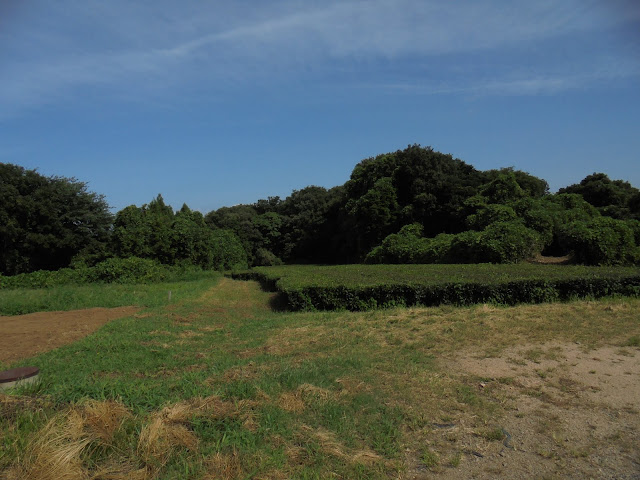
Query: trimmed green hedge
pixel 358 287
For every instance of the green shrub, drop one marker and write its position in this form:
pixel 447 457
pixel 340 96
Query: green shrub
pixel 508 242
pixel 227 251
pixel 538 218
pixel 128 270
pixel 44 278
pixel 490 214
pixel 599 241
pixel 436 249
pixel 466 247
pixel 634 225
pixel 114 270
pixel 265 258
pixel 406 246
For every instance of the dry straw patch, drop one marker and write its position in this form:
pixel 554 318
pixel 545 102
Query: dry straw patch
pixel 162 436
pixel 103 419
pixel 306 393
pixel 329 445
pixel 249 371
pixel 121 471
pixel 225 466
pixel 190 334
pixel 303 342
pixel 60 449
pixel 442 330
pixel 56 451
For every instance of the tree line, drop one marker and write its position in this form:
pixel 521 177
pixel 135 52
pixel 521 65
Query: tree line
pixel 414 205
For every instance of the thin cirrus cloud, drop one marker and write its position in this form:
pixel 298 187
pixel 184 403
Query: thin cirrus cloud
pixel 169 46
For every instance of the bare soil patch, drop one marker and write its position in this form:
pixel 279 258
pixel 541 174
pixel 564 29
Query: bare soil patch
pixel 567 412
pixel 544 260
pixel 22 336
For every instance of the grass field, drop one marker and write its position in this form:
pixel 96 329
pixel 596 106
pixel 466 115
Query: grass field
pixel 219 386
pixel 69 297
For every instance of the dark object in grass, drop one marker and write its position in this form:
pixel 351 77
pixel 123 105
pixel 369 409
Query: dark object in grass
pixel 444 425
pixel 507 439
pixel 18 376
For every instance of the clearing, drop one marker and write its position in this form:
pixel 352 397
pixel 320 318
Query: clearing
pixel 23 336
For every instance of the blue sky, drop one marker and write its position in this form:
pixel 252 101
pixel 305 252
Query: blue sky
pixel 216 103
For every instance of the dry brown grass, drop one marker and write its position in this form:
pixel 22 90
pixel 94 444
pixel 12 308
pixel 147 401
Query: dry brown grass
pixel 443 330
pixel 328 444
pixel 291 402
pixel 190 334
pixel 56 451
pixel 102 419
pixel 59 450
pixel 224 466
pixel 121 471
pixel 53 453
pixel 168 429
pixel 297 400
pixel 161 437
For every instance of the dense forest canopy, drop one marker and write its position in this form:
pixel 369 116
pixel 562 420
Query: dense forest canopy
pixel 410 206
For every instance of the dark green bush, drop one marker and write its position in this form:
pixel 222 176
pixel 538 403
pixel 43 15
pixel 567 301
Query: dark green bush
pixel 44 278
pixel 466 247
pixel 114 270
pixel 406 246
pixel 227 251
pixel 634 225
pixel 128 270
pixel 490 214
pixel 508 242
pixel 599 241
pixel 265 258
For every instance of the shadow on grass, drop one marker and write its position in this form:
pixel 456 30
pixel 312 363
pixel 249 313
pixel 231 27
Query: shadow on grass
pixel 278 302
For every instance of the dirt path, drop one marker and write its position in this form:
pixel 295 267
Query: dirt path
pixel 568 412
pixel 23 336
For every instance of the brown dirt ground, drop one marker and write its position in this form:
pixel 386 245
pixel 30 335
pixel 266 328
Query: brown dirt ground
pixel 569 412
pixel 22 336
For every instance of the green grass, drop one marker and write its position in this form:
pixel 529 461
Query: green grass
pixel 70 297
pixel 237 390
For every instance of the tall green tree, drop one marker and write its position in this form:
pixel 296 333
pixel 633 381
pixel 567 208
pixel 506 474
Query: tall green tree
pixel 46 221
pixel 614 198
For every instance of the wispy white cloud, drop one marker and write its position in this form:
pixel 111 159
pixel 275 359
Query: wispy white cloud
pixel 126 46
pixel 517 84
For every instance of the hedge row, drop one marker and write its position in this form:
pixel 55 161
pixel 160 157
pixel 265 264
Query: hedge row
pixel 355 298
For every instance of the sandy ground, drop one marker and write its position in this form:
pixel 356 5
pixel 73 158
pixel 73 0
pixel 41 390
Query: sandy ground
pixel 568 412
pixel 22 336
